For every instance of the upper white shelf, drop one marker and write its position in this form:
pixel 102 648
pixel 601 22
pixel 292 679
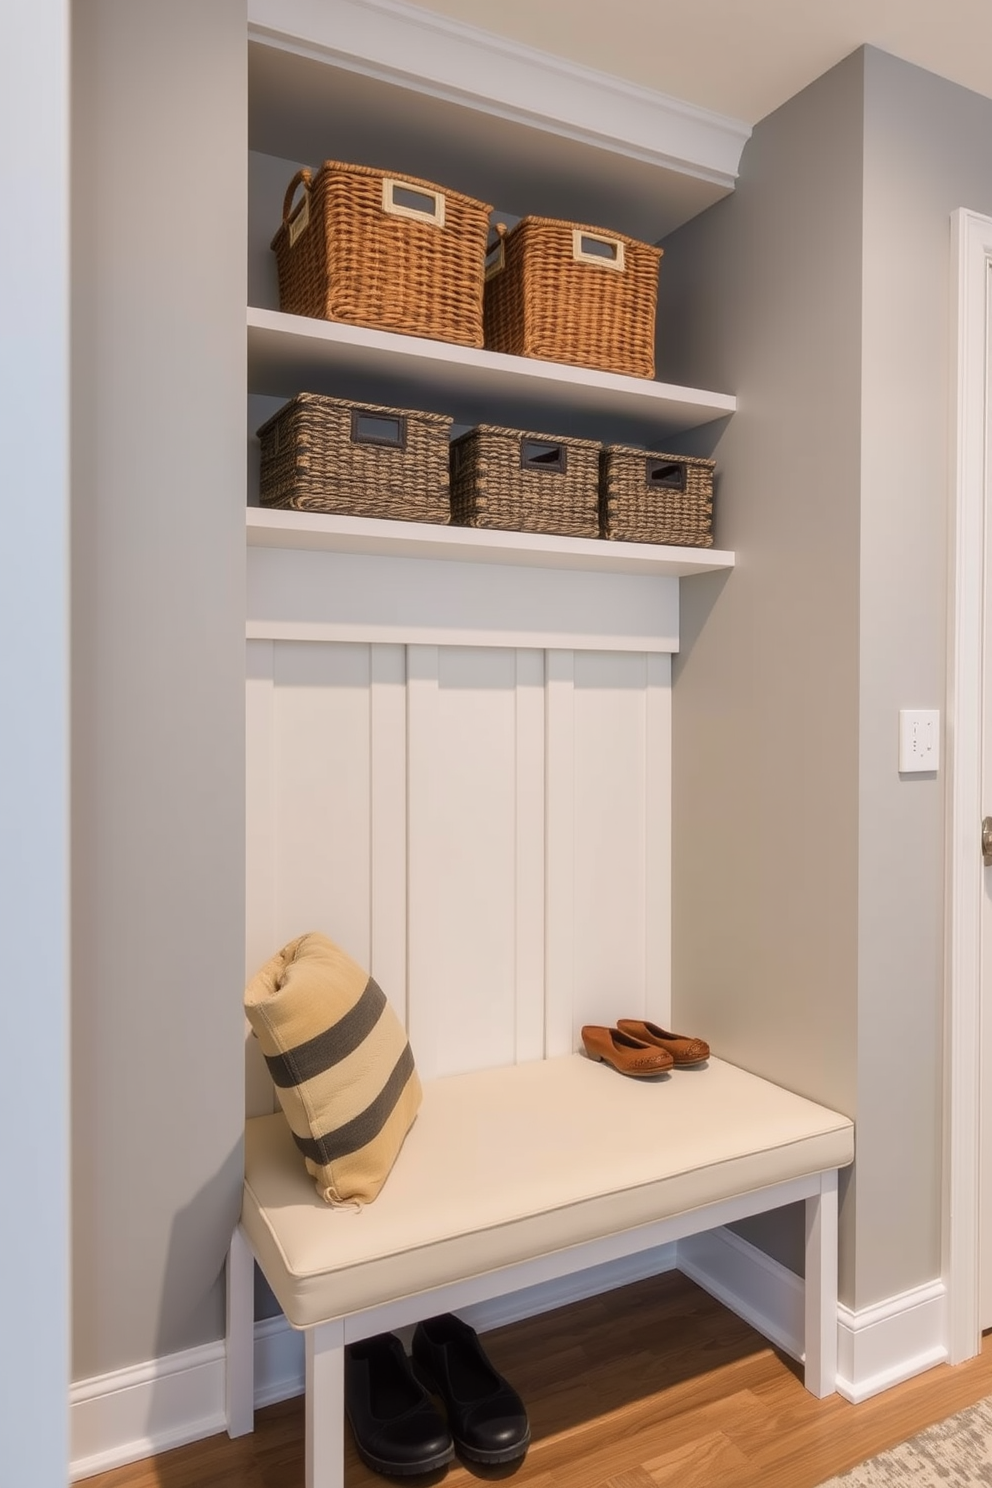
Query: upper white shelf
pixel 400 86
pixel 288 354
pixel 321 532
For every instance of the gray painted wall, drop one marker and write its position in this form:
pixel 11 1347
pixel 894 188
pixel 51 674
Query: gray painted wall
pixel 820 294
pixel 928 150
pixel 762 295
pixel 159 165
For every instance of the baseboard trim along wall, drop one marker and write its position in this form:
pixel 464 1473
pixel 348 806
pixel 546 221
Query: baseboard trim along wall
pixel 141 1411
pixel 883 1345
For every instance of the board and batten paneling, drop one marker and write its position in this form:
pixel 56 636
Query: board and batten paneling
pixel 487 828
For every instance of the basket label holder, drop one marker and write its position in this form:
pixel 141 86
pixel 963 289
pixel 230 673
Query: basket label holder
pixel 598 248
pixel 386 430
pixel 400 199
pixel 665 475
pixel 544 455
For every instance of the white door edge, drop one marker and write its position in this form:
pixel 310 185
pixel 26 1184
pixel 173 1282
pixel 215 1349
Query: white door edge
pixel 971 274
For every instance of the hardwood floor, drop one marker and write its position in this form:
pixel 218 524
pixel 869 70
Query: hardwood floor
pixel 650 1386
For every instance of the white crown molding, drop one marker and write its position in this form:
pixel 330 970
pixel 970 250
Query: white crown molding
pixel 400 43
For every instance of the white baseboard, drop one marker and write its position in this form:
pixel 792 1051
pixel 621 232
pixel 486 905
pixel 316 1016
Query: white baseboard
pixel 896 1339
pixel 135 1413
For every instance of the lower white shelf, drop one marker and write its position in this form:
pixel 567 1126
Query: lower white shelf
pixel 319 531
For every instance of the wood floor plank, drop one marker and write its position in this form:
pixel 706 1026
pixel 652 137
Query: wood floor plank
pixel 650 1386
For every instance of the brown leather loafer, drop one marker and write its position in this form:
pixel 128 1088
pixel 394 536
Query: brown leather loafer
pixel 628 1055
pixel 684 1051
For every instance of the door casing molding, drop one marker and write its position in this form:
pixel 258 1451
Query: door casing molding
pixel 971 288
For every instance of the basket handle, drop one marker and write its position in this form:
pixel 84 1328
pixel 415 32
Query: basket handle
pixel 297 218
pixel 667 474
pixel 540 454
pixel 496 253
pixel 597 248
pixel 400 199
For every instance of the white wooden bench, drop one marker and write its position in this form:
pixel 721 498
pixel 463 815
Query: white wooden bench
pixel 515 1176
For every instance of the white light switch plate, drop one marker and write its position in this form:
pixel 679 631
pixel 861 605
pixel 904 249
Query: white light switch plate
pixel 919 740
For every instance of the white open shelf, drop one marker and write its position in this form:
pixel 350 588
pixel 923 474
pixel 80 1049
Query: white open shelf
pixel 290 353
pixel 320 532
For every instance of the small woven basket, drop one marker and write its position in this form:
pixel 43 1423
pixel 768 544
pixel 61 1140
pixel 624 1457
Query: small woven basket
pixel 566 293
pixel 359 459
pixel 654 498
pixel 388 251
pixel 520 482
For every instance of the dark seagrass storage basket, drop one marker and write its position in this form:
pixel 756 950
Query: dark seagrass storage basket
pixel 521 482
pixel 567 293
pixel 655 498
pixel 388 251
pixel 360 459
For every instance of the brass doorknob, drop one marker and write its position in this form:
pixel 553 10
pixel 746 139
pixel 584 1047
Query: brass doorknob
pixel 987 841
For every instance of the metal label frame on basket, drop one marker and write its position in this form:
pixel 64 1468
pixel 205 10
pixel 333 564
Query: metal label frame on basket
pixel 554 460
pixel 382 440
pixel 664 475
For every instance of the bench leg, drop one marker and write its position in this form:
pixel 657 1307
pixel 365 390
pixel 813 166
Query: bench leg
pixel 325 1406
pixel 240 1355
pixel 821 1288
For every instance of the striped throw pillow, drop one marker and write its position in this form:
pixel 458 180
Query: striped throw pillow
pixel 341 1064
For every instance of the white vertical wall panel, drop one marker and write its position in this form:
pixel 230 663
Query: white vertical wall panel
pixel 424 1005
pixel 462 859
pixel 658 841
pixel 610 837
pixel 559 1033
pixel 387 786
pixel 321 798
pixel 530 854
pixel 489 829
pixel 260 929
pixel 260 821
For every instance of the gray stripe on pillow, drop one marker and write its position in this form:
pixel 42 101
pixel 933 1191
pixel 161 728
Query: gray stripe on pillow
pixel 364 1127
pixel 332 1044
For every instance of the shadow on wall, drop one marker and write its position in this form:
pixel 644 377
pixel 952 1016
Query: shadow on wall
pixel 706 591
pixel 193 1283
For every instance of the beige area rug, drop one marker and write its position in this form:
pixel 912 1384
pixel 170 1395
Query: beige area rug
pixel 954 1453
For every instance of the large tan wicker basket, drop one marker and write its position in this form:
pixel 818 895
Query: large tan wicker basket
pixel 655 498
pixel 333 455
pixel 387 251
pixel 521 482
pixel 567 293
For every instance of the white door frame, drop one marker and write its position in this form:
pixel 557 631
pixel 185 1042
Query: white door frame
pixel 971 311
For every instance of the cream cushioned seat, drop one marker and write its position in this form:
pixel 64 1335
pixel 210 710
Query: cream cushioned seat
pixel 503 1165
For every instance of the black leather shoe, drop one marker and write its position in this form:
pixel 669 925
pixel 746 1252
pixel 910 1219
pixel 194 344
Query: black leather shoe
pixel 486 1415
pixel 397 1427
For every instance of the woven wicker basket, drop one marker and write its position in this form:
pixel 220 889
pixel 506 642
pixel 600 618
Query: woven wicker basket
pixel 567 293
pixel 654 498
pixel 332 455
pixel 521 482
pixel 392 252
